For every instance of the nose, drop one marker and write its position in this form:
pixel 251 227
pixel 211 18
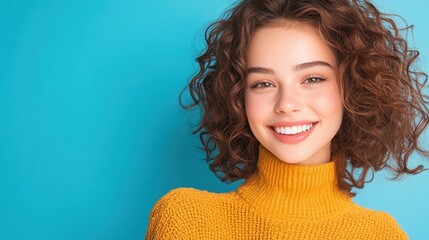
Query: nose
pixel 288 101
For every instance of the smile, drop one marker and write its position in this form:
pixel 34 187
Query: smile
pixel 293 134
pixel 293 129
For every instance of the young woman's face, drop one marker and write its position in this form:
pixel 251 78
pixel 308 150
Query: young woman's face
pixel 292 98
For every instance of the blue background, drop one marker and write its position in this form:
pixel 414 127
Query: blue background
pixel 91 130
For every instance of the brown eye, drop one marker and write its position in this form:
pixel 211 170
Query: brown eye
pixel 314 80
pixel 262 85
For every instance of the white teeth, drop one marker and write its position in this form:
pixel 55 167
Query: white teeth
pixel 293 129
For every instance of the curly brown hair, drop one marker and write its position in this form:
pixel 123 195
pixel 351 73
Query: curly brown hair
pixel 385 108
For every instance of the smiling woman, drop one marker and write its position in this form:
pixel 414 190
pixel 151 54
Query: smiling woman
pixel 299 92
pixel 297 96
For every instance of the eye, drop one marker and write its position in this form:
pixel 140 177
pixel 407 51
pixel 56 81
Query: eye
pixel 314 80
pixel 262 85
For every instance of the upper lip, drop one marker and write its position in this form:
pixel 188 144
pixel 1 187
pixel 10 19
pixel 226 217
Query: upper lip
pixel 293 123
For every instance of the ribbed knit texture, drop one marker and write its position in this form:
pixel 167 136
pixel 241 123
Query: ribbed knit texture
pixel 279 201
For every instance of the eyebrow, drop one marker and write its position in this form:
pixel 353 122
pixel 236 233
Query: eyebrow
pixel 297 68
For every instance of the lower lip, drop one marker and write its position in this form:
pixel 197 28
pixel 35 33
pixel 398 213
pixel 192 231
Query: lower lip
pixel 294 138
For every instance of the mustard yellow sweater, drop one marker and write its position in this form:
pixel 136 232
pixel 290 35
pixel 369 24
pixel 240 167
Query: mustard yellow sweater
pixel 279 201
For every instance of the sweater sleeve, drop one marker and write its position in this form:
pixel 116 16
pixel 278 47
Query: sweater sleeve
pixel 168 218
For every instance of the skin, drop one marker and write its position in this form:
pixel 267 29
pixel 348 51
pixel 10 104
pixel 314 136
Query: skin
pixel 282 92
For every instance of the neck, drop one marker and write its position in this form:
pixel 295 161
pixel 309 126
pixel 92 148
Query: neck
pixel 293 191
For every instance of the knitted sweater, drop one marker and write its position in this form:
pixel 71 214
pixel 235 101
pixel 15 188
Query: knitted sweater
pixel 279 201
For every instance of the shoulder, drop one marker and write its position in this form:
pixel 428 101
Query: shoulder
pixel 179 200
pixel 379 222
pixel 191 200
pixel 178 212
pixel 184 198
pixel 391 226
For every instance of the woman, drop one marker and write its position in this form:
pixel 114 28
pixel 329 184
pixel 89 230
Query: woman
pixel 296 96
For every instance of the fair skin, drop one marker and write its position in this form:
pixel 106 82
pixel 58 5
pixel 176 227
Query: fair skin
pixel 292 98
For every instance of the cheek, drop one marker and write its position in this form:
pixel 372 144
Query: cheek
pixel 255 107
pixel 327 103
pixel 250 107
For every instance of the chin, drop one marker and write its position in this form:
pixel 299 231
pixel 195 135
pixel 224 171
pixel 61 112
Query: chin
pixel 303 157
pixel 293 160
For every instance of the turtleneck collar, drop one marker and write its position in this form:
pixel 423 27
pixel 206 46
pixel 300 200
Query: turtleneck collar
pixel 288 190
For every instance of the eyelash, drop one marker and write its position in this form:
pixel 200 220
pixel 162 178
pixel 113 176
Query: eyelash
pixel 260 85
pixel 319 80
pixel 268 84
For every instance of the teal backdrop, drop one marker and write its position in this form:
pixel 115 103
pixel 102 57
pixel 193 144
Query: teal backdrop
pixel 91 130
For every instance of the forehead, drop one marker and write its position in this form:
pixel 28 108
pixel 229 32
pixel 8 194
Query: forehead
pixel 288 45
